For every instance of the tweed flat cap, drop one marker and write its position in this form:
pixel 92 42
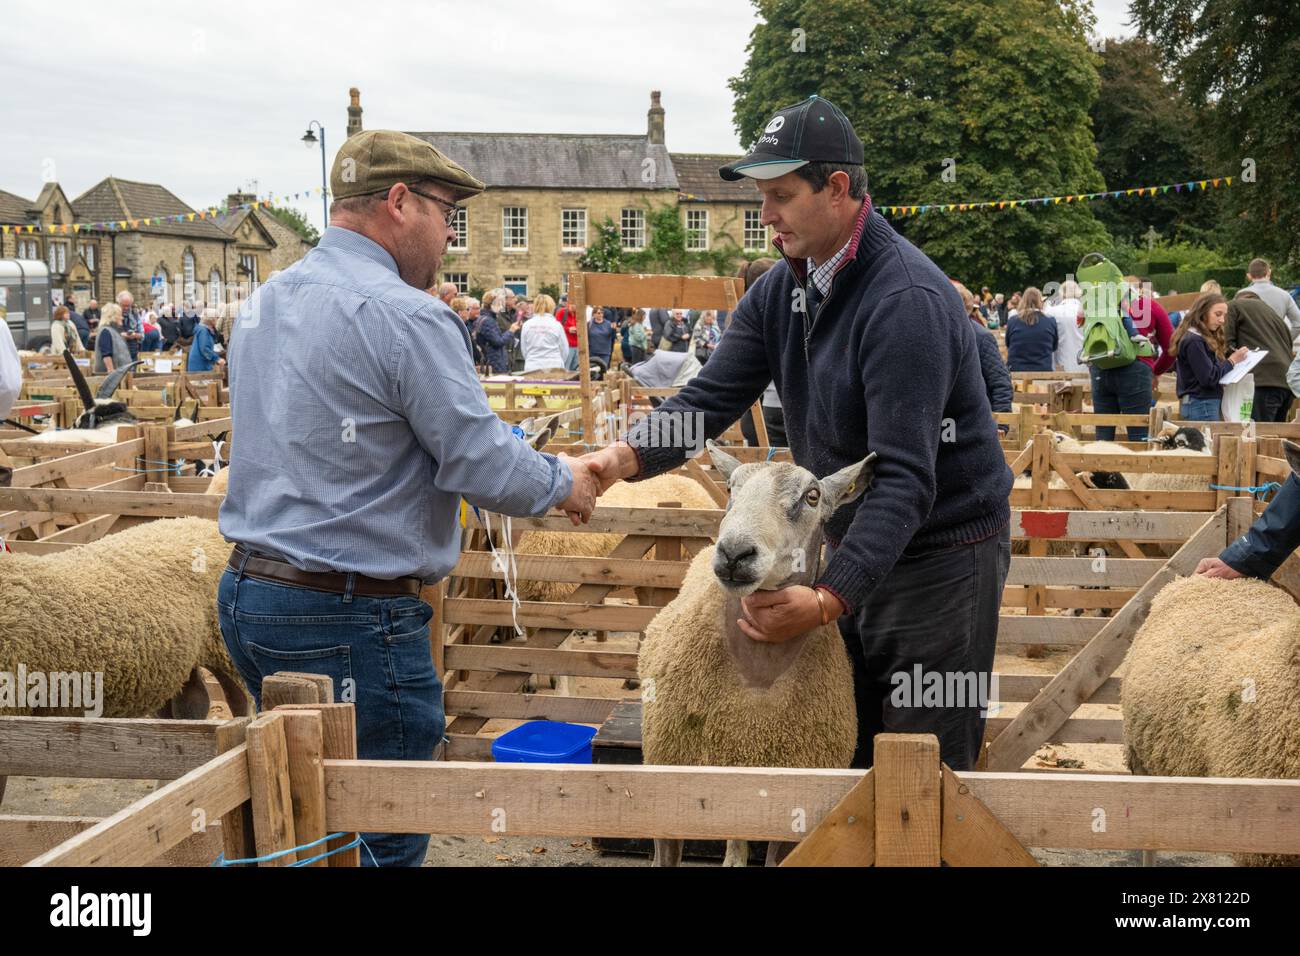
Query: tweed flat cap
pixel 376 159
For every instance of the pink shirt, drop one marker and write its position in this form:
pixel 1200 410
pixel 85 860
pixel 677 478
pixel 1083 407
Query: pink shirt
pixel 1150 319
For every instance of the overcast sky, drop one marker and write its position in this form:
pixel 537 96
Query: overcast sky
pixel 205 103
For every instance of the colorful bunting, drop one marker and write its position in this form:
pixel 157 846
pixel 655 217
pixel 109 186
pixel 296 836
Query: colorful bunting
pixel 1139 191
pixel 122 224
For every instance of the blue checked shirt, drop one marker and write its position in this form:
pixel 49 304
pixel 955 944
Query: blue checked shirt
pixel 360 423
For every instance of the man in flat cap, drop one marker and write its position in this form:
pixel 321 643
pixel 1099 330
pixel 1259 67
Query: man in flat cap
pixel 870 350
pixel 359 426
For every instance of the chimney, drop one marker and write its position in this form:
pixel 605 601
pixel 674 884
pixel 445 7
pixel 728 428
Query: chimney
pixel 655 121
pixel 237 199
pixel 354 112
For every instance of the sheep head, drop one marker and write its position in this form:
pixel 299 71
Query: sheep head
pixel 771 536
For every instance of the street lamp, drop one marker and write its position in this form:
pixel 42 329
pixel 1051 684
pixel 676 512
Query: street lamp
pixel 309 140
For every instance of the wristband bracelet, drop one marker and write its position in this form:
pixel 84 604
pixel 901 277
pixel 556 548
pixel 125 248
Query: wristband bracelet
pixel 821 602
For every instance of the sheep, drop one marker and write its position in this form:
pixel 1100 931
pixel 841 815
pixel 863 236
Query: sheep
pixel 1172 440
pixel 88 610
pixel 1212 685
pixel 645 494
pixel 712 696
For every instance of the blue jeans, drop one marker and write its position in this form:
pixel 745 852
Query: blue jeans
pixel 377 652
pixel 1125 390
pixel 1201 409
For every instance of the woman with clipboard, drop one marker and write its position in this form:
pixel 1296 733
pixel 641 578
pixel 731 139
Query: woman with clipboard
pixel 1198 346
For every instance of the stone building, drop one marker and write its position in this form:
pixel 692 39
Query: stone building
pixel 548 192
pixel 197 258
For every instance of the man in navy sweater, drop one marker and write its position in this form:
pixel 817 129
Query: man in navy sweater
pixel 870 350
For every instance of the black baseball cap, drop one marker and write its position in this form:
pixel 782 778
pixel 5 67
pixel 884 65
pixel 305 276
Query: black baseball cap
pixel 812 131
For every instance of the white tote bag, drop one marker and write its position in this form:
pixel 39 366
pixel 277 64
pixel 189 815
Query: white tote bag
pixel 1239 399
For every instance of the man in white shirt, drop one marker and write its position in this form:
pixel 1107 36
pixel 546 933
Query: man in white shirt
pixel 1069 336
pixel 11 382
pixel 1260 275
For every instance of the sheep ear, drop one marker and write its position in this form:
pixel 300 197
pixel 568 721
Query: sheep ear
pixel 721 460
pixel 848 484
pixel 1292 451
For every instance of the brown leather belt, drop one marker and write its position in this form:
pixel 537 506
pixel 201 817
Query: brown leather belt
pixel 281 572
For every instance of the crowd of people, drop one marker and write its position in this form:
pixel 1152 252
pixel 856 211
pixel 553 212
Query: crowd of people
pixel 114 336
pixel 1200 345
pixel 508 333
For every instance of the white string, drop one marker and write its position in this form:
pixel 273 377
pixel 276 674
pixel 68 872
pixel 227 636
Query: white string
pixel 506 566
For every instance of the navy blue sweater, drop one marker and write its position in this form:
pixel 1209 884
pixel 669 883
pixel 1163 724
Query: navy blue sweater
pixel 1030 347
pixel 1199 369
pixel 890 365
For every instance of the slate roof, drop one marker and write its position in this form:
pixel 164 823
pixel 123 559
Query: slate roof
pixel 557 160
pixel 697 175
pixel 13 209
pixel 113 199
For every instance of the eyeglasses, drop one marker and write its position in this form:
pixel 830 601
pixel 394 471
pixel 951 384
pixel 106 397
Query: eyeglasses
pixel 452 208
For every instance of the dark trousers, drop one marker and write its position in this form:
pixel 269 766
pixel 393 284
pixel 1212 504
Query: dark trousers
pixel 1272 404
pixel 933 614
pixel 1121 391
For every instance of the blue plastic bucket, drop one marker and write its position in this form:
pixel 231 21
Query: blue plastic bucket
pixel 544 741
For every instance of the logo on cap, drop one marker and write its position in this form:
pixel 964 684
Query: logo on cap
pixel 776 124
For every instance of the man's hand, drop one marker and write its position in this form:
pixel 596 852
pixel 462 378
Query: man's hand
pixel 582 497
pixel 777 616
pixel 1214 568
pixel 611 464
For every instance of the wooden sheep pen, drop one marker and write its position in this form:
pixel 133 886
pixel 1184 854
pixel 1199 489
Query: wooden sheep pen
pixel 284 781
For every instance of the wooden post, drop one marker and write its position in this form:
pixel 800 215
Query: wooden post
pixel 268 779
pixel 304 738
pixel 1228 454
pixel 760 424
pixel 285 689
pixel 155 458
pixel 578 303
pixel 339 742
pixel 237 825
pixel 908 787
pixel 1040 483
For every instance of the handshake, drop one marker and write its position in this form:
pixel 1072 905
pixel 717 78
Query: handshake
pixel 593 474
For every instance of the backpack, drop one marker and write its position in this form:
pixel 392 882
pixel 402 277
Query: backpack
pixel 1106 342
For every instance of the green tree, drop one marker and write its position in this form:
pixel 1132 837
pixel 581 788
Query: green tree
pixel 1146 136
pixel 295 221
pixel 1236 61
pixel 995 93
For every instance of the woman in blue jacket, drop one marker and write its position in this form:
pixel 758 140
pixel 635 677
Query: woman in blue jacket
pixel 1199 346
pixel 1031 342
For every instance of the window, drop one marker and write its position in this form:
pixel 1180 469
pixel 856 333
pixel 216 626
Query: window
pixel 573 229
pixel 187 263
pixel 27 249
pixel 755 231
pixel 87 250
pixel 516 284
pixel 461 225
pixel 158 286
pixel 53 259
pixel 459 279
pixel 697 229
pixel 564 283
pixel 514 227
pixel 632 228
pixel 248 265
pixel 214 288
